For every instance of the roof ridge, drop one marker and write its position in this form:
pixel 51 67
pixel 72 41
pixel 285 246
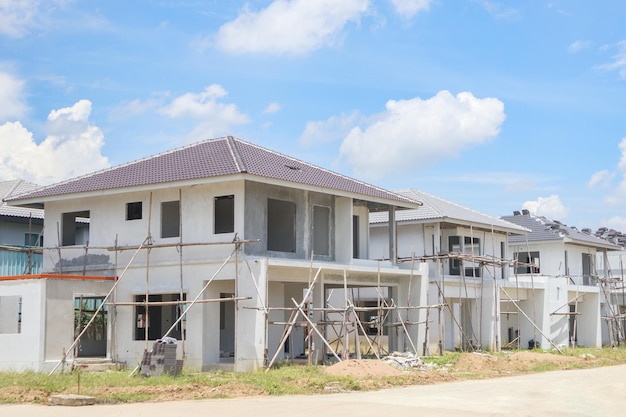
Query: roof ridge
pixel 232 146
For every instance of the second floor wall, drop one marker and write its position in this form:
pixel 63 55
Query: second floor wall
pixel 288 222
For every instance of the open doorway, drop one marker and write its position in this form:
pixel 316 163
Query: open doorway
pixel 93 343
pixel 227 326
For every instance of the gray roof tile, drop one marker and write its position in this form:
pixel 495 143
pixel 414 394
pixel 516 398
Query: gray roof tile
pixel 211 158
pixel 13 188
pixel 543 230
pixel 437 209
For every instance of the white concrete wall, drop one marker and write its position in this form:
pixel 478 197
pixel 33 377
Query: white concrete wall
pixel 24 350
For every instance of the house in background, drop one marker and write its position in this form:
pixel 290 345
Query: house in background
pixel 559 262
pixel 21 232
pixel 466 252
pixel 218 244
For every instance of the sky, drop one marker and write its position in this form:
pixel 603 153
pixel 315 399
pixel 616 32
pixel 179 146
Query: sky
pixel 494 105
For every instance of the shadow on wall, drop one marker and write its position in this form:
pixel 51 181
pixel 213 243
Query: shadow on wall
pixel 84 261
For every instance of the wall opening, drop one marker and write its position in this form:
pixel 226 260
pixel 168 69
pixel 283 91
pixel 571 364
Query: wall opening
pixel 170 219
pixel 321 230
pixel 160 317
pixel 134 211
pixel 10 314
pixel 281 225
pixel 224 209
pixel 75 227
pixel 93 343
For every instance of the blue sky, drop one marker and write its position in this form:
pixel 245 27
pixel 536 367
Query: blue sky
pixel 494 105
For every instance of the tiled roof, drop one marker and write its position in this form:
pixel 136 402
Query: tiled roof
pixel 543 230
pixel 212 158
pixel 437 209
pixel 14 188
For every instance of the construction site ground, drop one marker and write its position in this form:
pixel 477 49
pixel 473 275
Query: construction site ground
pixel 569 393
pixel 348 375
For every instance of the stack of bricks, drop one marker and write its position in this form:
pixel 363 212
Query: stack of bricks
pixel 161 360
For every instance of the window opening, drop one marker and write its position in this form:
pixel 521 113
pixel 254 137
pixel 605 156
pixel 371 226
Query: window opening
pixel 529 262
pixel 10 314
pixel 281 225
pixel 321 230
pixel 224 207
pixel 170 219
pixel 134 210
pixel 160 317
pixel 75 228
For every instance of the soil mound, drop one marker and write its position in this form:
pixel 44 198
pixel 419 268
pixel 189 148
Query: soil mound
pixel 363 368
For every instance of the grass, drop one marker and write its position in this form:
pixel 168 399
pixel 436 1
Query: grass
pixel 117 386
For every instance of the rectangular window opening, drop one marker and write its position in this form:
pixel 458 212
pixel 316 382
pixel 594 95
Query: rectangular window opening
pixel 134 211
pixel 75 228
pixel 33 239
pixel 281 225
pixel 10 314
pixel 321 230
pixel 160 317
pixel 224 207
pixel 464 246
pixel 528 262
pixel 170 219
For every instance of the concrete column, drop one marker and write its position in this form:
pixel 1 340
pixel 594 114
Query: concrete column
pixel 490 309
pixel 250 326
pixel 393 236
pixel 318 348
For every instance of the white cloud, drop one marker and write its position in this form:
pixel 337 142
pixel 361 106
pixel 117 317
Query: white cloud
pixel 577 46
pixel 134 108
pixel 413 133
pixel 409 8
pixel 550 207
pixel 272 108
pixel 215 118
pixel 17 16
pixel 618 60
pixel 324 131
pixel 289 27
pixel 601 178
pixel 12 105
pixel 72 147
pixel 616 223
pixel 500 10
pixel 618 193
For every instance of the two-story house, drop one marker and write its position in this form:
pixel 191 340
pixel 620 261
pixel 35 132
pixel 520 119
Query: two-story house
pixel 467 254
pixel 558 263
pixel 215 244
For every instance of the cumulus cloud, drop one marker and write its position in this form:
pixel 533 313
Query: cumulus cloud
pixel 618 62
pixel 616 223
pixel 12 105
pixel 413 133
pixel 72 147
pixel 272 108
pixel 409 8
pixel 550 207
pixel 215 117
pixel 601 179
pixel 324 131
pixel 577 46
pixel 289 27
pixel 617 194
pixel 17 16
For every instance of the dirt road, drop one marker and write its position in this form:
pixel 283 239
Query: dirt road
pixel 573 393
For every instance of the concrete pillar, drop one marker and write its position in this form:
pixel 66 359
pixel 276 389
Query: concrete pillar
pixel 393 237
pixel 490 310
pixel 250 325
pixel 318 347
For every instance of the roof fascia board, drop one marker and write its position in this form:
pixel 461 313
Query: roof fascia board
pixel 464 223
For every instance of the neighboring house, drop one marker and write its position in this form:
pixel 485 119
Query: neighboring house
pixel 213 244
pixel 466 252
pixel 21 232
pixel 560 263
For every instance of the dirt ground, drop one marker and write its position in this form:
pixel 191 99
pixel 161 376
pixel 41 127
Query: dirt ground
pixel 370 374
